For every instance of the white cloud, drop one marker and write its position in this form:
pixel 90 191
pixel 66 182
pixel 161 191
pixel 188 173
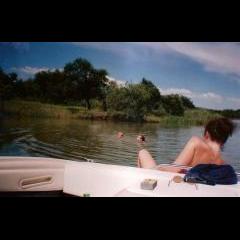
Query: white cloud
pixel 215 57
pixel 220 57
pixel 28 71
pixel 209 96
pixel 235 100
pixel 119 82
pixel 180 91
pixel 122 49
pixel 205 99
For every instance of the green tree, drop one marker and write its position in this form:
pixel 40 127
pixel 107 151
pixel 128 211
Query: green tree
pixel 7 82
pixel 131 100
pixel 102 88
pixel 30 90
pixel 84 81
pixel 173 105
pixel 230 113
pixel 41 82
pixel 155 96
pixel 187 103
pixel 50 86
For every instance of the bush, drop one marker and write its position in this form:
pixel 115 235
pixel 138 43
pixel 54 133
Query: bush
pixel 173 105
pixel 131 100
pixel 154 95
pixel 187 103
pixel 160 111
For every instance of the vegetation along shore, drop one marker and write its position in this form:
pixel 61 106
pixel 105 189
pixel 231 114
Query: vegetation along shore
pixel 80 91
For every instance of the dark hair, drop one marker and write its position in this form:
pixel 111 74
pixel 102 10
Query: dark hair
pixel 142 137
pixel 220 129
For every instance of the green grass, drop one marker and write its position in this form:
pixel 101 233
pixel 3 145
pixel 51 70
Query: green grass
pixel 42 110
pixel 196 117
pixel 200 116
pixel 35 109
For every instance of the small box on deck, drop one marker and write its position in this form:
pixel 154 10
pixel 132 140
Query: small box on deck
pixel 148 184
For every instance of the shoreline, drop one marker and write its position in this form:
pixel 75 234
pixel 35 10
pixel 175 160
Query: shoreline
pixel 31 109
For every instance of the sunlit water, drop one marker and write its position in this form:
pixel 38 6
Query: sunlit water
pixel 96 140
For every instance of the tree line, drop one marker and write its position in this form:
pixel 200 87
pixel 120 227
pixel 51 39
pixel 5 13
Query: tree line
pixel 80 83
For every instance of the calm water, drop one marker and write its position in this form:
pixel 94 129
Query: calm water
pixel 96 140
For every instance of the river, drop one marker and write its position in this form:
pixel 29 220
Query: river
pixel 96 140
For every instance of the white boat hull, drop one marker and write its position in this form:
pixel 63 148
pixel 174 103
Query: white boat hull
pixel 27 174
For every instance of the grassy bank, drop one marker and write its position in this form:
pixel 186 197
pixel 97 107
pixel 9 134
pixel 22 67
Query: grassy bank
pixel 40 110
pixel 196 117
pixel 43 110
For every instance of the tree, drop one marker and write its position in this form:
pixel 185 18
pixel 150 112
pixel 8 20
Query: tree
pixel 131 100
pixel 103 86
pixel 155 96
pixel 30 90
pixel 50 86
pixel 187 103
pixel 6 86
pixel 41 81
pixel 13 77
pixel 173 105
pixel 230 113
pixel 85 82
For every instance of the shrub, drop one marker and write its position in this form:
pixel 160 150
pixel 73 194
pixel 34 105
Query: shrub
pixel 173 105
pixel 131 100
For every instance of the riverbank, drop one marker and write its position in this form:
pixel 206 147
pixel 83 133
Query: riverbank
pixel 41 110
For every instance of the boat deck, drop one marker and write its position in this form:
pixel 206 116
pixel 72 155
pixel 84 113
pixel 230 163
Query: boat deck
pixel 48 177
pixel 36 194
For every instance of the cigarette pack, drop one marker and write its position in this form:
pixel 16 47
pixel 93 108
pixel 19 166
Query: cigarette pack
pixel 148 184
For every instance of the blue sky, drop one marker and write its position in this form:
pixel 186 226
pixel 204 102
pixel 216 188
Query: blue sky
pixel 208 73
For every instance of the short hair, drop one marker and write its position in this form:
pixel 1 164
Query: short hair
pixel 220 129
pixel 142 138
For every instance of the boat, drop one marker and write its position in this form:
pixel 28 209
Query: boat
pixel 38 176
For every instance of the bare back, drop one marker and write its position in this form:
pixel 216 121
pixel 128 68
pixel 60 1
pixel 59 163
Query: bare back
pixel 197 151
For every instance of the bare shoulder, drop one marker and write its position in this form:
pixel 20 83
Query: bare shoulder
pixel 196 140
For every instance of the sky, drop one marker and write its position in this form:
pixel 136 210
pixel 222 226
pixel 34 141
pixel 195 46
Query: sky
pixel 206 72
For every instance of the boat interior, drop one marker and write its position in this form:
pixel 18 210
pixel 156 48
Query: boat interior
pixel 48 177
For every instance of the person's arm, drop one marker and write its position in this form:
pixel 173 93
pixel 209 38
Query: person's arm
pixel 184 159
pixel 186 156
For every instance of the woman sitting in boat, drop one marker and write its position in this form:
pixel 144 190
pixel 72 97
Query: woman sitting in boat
pixel 205 150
